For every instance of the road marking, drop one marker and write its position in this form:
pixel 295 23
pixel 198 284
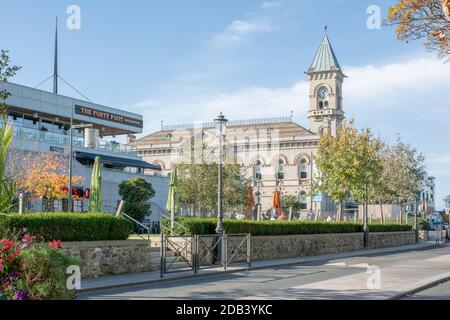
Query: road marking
pixel 337 264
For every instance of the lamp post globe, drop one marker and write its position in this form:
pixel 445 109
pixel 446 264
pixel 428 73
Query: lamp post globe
pixel 220 124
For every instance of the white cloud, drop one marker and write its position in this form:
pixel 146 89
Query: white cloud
pixel 239 30
pixel 415 85
pixel 420 82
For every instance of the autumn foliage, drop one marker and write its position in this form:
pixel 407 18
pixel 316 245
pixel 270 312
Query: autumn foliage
pixel 423 19
pixel 46 177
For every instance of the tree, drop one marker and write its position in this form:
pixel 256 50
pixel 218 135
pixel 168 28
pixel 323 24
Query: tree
pixel 368 168
pixel 290 202
pixel 46 177
pixel 423 19
pixel 380 192
pixel 136 193
pixel 6 72
pixel 198 179
pixel 348 165
pixel 404 171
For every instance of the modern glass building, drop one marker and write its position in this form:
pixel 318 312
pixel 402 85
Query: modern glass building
pixel 42 122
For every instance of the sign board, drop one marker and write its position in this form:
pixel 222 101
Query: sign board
pixel 108 116
pixel 318 197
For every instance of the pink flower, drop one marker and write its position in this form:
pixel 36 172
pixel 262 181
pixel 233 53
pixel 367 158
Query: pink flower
pixel 55 244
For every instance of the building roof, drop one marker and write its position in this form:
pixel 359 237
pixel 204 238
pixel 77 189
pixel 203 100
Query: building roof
pixel 47 105
pixel 325 59
pixel 281 131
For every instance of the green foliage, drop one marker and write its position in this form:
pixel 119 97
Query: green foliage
pixel 136 193
pixel 424 224
pixel 68 226
pixel 96 199
pixel 198 179
pixel 264 228
pixel 7 186
pixel 6 71
pixel 389 227
pixel 348 164
pixel 44 273
pixel 290 202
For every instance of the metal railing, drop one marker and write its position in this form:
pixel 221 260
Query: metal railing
pixel 205 251
pixel 140 226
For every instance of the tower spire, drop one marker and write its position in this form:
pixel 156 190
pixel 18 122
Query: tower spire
pixel 55 62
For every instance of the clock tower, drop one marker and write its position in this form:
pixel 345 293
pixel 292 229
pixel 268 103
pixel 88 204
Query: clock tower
pixel 325 90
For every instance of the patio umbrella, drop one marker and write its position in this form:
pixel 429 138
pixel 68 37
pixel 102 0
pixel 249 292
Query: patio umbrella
pixel 277 210
pixel 172 199
pixel 95 197
pixel 250 202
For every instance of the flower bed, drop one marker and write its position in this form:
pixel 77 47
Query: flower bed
pixel 31 270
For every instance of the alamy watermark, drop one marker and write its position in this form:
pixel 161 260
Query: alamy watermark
pixel 374 21
pixel 74 280
pixel 73 21
pixel 374 280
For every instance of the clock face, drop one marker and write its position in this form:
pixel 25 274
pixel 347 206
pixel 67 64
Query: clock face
pixel 322 93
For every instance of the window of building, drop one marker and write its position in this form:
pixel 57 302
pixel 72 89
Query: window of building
pixel 302 200
pixel 258 171
pixel 303 169
pixel 279 170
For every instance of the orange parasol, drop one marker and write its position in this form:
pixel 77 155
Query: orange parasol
pixel 249 202
pixel 277 210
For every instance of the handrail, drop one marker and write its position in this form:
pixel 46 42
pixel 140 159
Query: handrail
pixel 139 224
pixel 165 214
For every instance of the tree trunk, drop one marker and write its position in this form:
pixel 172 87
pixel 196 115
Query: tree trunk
pixel 341 211
pixel 382 214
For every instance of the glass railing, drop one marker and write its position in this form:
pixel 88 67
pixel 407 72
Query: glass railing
pixel 63 139
pixel 118 148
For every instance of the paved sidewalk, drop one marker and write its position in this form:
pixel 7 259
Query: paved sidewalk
pixel 154 276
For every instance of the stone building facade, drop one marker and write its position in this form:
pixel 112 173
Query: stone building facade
pixel 274 153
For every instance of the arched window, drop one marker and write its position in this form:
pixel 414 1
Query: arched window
pixel 320 105
pixel 279 170
pixel 303 169
pixel 258 198
pixel 302 200
pixel 325 104
pixel 258 171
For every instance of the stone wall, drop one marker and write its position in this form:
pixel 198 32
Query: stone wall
pixel 294 246
pixel 391 239
pixel 100 258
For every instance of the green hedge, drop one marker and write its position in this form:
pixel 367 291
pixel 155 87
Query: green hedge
pixel 69 226
pixel 265 228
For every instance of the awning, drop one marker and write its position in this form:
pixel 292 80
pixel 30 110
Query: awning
pixel 127 162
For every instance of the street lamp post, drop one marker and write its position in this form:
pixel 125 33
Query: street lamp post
pixel 221 124
pixel 81 126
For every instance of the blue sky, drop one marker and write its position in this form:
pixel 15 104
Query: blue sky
pixel 179 61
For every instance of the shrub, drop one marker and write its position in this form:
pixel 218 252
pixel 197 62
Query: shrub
pixel 136 193
pixel 264 228
pixel 68 226
pixel 424 224
pixel 389 227
pixel 44 273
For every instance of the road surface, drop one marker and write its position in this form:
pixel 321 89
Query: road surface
pixel 377 276
pixel 439 292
